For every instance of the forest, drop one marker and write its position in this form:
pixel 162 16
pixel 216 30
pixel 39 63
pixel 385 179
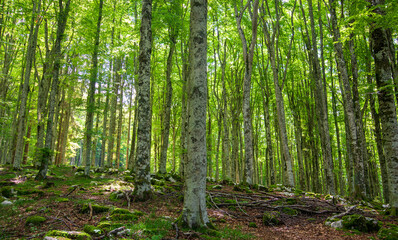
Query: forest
pixel 177 99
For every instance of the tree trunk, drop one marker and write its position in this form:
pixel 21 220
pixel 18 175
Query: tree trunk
pixel 167 111
pixel 119 126
pixel 387 108
pixel 248 54
pixel 194 213
pixel 30 55
pixel 104 128
pixel 359 181
pixel 142 166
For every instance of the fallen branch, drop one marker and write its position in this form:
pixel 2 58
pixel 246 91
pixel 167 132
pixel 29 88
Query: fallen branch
pixel 211 198
pixel 71 191
pixel 350 209
pixel 115 231
pixel 240 207
pixel 176 227
pixel 91 211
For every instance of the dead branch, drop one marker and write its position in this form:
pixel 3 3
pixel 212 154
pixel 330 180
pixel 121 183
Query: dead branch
pixel 91 211
pixel 71 191
pixel 350 209
pixel 115 231
pixel 61 220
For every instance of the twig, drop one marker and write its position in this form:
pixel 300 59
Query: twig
pixel 176 227
pixel 61 220
pixel 71 191
pixel 240 207
pixel 115 231
pixel 211 198
pixel 350 209
pixel 91 211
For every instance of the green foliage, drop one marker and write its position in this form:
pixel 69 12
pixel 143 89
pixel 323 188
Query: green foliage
pixel 252 225
pixel 35 220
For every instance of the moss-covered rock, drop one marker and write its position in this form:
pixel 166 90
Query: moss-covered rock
pixel 360 223
pixel 55 238
pixel 120 211
pixel 69 234
pixel 96 208
pixel 62 200
pixel 289 211
pixel 104 225
pixel 115 196
pixel 217 187
pixel 388 233
pixel 92 230
pixel 123 217
pixel 35 220
pixel 271 218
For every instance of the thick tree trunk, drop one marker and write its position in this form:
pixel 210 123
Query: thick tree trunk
pixel 142 166
pixel 194 213
pixel 387 109
pixel 47 152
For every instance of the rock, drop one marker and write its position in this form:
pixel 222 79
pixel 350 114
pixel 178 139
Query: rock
pixel 360 223
pixel 6 203
pixel 337 224
pixel 92 230
pixel 35 220
pixel 56 238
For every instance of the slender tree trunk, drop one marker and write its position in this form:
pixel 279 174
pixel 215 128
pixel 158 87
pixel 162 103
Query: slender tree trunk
pixel 248 53
pixel 167 112
pixel 142 166
pixel 91 94
pixel 119 126
pixel 104 127
pixel 359 181
pixel 194 213
pixel 30 55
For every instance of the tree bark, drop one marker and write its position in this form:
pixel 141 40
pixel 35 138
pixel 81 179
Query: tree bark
pixel 194 213
pixel 142 166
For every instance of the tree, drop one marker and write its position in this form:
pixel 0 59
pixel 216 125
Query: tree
pixel 379 37
pixel 142 164
pixel 248 54
pixel 194 213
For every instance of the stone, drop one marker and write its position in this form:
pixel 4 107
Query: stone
pixel 6 203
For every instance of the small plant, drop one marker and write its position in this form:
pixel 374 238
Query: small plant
pixel 35 220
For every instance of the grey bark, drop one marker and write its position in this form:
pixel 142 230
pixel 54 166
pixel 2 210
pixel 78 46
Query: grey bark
pixel 142 166
pixel 194 213
pixel 167 108
pixel 387 109
pixel 248 53
pixel 91 94
pixel 48 146
pixel 321 108
pixel 359 181
pixel 30 55
pixel 104 127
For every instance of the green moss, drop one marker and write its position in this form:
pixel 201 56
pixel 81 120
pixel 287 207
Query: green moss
pixel 252 225
pixel 229 201
pixel 35 220
pixel 69 234
pixel 129 178
pixel 138 213
pixel 388 234
pixel 96 208
pixel 104 225
pixel 120 210
pixel 62 200
pixel 360 223
pixel 289 211
pixel 7 192
pixel 92 230
pixel 291 201
pixel 271 218
pixel 122 217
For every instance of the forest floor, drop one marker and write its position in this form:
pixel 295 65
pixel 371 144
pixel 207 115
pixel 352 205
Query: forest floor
pixel 69 201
